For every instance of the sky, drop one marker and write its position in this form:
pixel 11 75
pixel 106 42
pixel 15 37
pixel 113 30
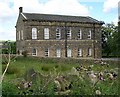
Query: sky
pixel 102 10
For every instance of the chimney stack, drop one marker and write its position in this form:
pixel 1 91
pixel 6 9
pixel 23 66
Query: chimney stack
pixel 20 9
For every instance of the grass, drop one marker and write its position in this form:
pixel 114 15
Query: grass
pixel 54 68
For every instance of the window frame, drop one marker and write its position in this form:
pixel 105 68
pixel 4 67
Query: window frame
pixel 46 52
pixel 58 33
pixel 46 33
pixel 34 33
pixel 69 34
pixel 79 34
pixel 89 35
pixel 58 52
pixel 89 51
pixel 69 52
pixel 34 53
pixel 80 52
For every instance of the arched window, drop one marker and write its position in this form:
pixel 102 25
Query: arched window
pixel 34 52
pixel 34 33
pixel 46 33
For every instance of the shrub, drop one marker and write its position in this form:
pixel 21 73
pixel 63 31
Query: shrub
pixel 25 53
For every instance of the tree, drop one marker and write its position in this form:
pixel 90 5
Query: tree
pixel 110 40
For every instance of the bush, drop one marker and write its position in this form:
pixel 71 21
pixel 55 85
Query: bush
pixel 25 53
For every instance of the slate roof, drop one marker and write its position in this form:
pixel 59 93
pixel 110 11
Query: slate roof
pixel 60 18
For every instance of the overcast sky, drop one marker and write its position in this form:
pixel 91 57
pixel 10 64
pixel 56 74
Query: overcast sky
pixel 103 10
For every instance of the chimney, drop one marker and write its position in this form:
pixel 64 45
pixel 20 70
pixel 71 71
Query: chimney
pixel 20 9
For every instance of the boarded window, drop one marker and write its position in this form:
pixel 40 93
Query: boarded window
pixel 58 52
pixel 69 52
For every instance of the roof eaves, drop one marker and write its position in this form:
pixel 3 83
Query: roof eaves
pixel 24 16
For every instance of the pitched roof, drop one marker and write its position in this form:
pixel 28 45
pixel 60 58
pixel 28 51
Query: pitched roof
pixel 60 18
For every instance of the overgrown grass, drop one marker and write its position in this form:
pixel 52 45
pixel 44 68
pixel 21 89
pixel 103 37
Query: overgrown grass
pixel 54 68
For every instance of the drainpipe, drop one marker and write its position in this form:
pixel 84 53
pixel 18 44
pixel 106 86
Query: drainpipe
pixel 94 38
pixel 65 40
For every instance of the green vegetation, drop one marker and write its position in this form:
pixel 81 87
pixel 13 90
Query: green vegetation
pixel 110 41
pixel 49 76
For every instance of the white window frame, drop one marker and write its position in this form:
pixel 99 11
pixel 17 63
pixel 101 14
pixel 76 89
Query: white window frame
pixel 47 52
pixel 34 53
pixel 34 33
pixel 69 34
pixel 89 52
pixel 69 52
pixel 58 52
pixel 58 33
pixel 46 33
pixel 80 34
pixel 79 52
pixel 18 35
pixel 22 34
pixel 89 34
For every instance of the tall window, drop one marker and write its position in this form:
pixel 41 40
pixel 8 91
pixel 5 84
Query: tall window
pixel 34 33
pixel 46 33
pixel 89 52
pixel 34 52
pixel 58 52
pixel 69 52
pixel 22 34
pixel 69 34
pixel 89 34
pixel 80 34
pixel 47 52
pixel 79 52
pixel 58 33
pixel 19 35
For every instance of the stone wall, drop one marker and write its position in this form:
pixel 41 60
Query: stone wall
pixel 40 44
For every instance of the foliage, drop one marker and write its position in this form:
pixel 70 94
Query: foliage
pixel 110 40
pixel 25 53
pixel 55 81
pixel 9 46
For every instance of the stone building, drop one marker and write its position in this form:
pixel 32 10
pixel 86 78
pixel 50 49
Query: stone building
pixel 47 35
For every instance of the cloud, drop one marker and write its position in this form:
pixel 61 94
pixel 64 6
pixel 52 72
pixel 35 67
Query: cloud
pixel 9 10
pixel 109 5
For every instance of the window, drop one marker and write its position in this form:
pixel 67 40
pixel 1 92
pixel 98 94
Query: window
pixel 22 34
pixel 58 33
pixel 69 52
pixel 34 33
pixel 79 52
pixel 58 52
pixel 89 34
pixel 34 52
pixel 47 52
pixel 89 52
pixel 69 34
pixel 46 33
pixel 19 35
pixel 80 34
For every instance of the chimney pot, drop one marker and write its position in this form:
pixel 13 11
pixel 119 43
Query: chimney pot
pixel 20 9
